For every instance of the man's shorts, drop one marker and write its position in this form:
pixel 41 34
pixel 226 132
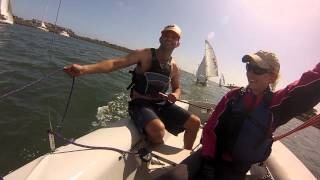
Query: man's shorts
pixel 172 116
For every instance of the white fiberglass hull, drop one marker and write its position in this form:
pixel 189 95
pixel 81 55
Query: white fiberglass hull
pixel 73 162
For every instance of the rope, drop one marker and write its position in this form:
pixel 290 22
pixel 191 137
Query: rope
pixel 55 24
pixel 315 119
pixel 30 84
pixel 59 126
pixel 201 107
pixel 58 12
pixel 58 135
pixel 186 102
pixel 144 154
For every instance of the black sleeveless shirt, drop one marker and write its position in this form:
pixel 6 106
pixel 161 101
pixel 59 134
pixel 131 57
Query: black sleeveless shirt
pixel 156 79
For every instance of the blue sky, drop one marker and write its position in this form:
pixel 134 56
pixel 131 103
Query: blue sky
pixel 290 28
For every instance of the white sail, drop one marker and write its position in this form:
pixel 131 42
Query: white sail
pixel 43 27
pixel 201 72
pixel 208 66
pixel 222 80
pixel 64 33
pixel 6 12
pixel 211 61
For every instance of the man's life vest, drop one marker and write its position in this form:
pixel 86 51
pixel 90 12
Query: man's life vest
pixel 154 80
pixel 245 134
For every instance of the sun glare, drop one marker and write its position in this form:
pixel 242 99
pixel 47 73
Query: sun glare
pixel 287 12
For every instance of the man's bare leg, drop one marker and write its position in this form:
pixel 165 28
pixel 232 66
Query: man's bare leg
pixel 155 130
pixel 191 126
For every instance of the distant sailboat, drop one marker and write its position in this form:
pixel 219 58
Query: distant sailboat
pixel 43 27
pixel 221 80
pixel 64 33
pixel 6 12
pixel 208 66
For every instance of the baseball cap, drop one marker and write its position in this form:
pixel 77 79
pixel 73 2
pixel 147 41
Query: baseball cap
pixel 264 59
pixel 173 27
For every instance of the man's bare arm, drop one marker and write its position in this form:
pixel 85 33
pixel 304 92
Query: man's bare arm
pixel 108 65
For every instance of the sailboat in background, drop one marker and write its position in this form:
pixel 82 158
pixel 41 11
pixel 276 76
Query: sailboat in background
pixel 6 12
pixel 43 27
pixel 64 33
pixel 221 80
pixel 208 66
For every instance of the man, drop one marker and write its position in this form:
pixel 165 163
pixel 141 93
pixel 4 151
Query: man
pixel 155 70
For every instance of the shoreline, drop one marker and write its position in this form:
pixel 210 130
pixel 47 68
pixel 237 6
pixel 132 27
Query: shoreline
pixel 35 23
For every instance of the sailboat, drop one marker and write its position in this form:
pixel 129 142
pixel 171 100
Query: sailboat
pixel 6 12
pixel 64 33
pixel 221 80
pixel 43 27
pixel 208 66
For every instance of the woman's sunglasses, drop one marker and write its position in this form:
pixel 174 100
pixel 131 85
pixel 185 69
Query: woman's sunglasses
pixel 256 69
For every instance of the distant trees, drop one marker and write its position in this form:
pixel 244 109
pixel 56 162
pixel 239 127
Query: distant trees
pixel 57 29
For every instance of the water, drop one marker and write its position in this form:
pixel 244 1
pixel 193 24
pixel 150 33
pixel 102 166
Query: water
pixel 27 54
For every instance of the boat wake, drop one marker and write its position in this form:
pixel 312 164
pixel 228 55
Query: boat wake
pixel 113 111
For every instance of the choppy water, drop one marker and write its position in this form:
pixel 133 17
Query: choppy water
pixel 27 54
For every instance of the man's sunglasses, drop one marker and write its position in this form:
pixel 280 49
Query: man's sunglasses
pixel 256 69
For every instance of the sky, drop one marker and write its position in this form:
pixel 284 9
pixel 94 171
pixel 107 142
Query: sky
pixel 289 28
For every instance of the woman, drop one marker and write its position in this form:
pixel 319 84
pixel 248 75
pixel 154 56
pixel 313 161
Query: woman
pixel 239 131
